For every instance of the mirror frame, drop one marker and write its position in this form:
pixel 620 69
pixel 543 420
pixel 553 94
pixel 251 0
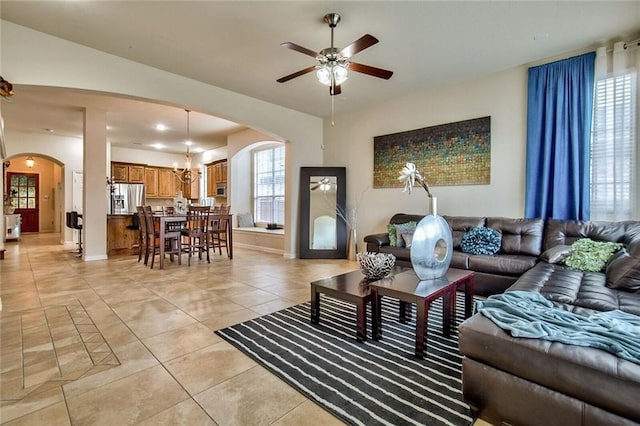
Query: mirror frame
pixel 305 252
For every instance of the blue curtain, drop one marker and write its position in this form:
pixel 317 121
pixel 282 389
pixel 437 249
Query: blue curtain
pixel 559 110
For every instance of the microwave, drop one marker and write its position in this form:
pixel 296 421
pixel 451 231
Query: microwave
pixel 221 190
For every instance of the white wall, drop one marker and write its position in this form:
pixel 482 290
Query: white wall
pixel 35 58
pixel 152 158
pixel 502 96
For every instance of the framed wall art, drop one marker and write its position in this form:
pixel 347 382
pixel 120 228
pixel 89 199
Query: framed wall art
pixel 448 154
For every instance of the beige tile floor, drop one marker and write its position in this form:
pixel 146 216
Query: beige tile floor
pixel 113 342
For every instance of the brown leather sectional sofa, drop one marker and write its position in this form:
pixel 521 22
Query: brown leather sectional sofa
pixel 521 247
pixel 523 381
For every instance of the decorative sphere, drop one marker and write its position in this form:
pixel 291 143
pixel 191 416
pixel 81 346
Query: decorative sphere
pixel 376 266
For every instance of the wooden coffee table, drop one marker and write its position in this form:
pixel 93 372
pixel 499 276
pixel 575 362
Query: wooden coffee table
pixel 408 288
pixel 351 287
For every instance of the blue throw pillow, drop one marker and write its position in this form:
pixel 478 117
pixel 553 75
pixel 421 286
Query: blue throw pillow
pixel 481 240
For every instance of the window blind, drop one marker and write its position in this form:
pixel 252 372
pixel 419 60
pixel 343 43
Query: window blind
pixel 613 148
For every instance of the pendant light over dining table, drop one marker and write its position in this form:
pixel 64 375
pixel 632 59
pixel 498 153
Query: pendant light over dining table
pixel 186 175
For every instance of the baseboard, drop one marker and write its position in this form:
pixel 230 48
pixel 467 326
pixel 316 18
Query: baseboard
pixel 258 248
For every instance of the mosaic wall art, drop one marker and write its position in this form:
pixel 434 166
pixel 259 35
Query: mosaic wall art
pixel 448 154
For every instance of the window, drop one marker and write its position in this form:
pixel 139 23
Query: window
pixel 23 190
pixel 613 148
pixel 268 185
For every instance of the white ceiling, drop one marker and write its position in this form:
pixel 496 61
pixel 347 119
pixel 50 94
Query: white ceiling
pixel 236 45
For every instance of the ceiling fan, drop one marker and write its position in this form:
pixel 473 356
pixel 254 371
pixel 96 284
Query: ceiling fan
pixel 324 184
pixel 334 65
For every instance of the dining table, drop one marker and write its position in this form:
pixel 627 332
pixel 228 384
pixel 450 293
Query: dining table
pixel 164 221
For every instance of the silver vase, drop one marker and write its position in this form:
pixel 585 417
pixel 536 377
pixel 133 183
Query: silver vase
pixel 352 244
pixel 432 245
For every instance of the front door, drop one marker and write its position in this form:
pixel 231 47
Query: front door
pixel 23 188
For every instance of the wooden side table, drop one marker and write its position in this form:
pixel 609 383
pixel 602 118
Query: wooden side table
pixel 407 288
pixel 351 287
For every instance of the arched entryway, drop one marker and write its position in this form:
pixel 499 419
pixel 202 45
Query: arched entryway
pixel 35 190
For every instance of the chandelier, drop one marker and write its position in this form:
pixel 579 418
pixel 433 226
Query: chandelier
pixel 186 175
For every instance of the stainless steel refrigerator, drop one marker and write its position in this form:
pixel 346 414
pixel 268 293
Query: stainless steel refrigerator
pixel 126 197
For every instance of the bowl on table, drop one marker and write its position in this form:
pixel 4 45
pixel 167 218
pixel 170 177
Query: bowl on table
pixel 375 266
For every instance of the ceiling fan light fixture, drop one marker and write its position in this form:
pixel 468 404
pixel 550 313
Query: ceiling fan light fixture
pixel 340 73
pixel 334 72
pixel 324 75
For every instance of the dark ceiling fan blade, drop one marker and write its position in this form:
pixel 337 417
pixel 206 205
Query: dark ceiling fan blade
pixel 313 188
pixel 298 48
pixel 359 45
pixel 368 69
pixel 296 74
pixel 335 89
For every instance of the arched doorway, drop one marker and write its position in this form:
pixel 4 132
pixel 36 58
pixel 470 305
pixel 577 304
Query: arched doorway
pixel 35 191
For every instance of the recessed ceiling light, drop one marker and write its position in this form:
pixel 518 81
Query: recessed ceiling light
pixel 161 127
pixel 48 130
pixel 198 150
pixel 188 143
pixel 158 146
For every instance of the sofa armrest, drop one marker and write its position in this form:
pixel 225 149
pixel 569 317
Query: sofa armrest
pixel 377 241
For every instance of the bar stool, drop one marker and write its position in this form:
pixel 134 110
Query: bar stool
pixel 73 222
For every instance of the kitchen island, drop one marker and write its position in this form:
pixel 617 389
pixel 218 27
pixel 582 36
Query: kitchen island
pixel 122 237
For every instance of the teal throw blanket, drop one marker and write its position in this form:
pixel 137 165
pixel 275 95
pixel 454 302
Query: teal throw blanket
pixel 529 314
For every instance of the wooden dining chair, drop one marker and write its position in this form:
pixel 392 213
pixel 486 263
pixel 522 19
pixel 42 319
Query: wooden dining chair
pixel 219 229
pixel 142 234
pixel 195 234
pixel 172 239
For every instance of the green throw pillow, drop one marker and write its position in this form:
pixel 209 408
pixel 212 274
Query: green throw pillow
pixel 591 256
pixel 393 235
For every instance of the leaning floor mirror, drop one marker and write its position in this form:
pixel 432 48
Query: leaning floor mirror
pixel 323 234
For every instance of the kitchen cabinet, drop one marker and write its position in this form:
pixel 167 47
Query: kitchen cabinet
pixel 151 181
pixel 127 173
pixel 120 172
pixel 221 172
pixel 136 173
pixel 216 175
pixel 166 183
pixel 211 180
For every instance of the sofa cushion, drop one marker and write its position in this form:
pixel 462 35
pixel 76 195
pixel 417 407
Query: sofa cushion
pixel 459 260
pixel 577 291
pixel 462 224
pixel 589 255
pixel 504 264
pixel 481 240
pixel 519 236
pixel 623 272
pixel 587 374
pixel 556 254
pixel 568 231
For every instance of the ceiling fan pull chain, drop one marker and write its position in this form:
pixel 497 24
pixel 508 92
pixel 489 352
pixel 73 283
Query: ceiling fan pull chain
pixel 332 105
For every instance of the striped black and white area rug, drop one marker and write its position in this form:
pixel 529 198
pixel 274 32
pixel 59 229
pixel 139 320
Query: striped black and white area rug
pixel 371 383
